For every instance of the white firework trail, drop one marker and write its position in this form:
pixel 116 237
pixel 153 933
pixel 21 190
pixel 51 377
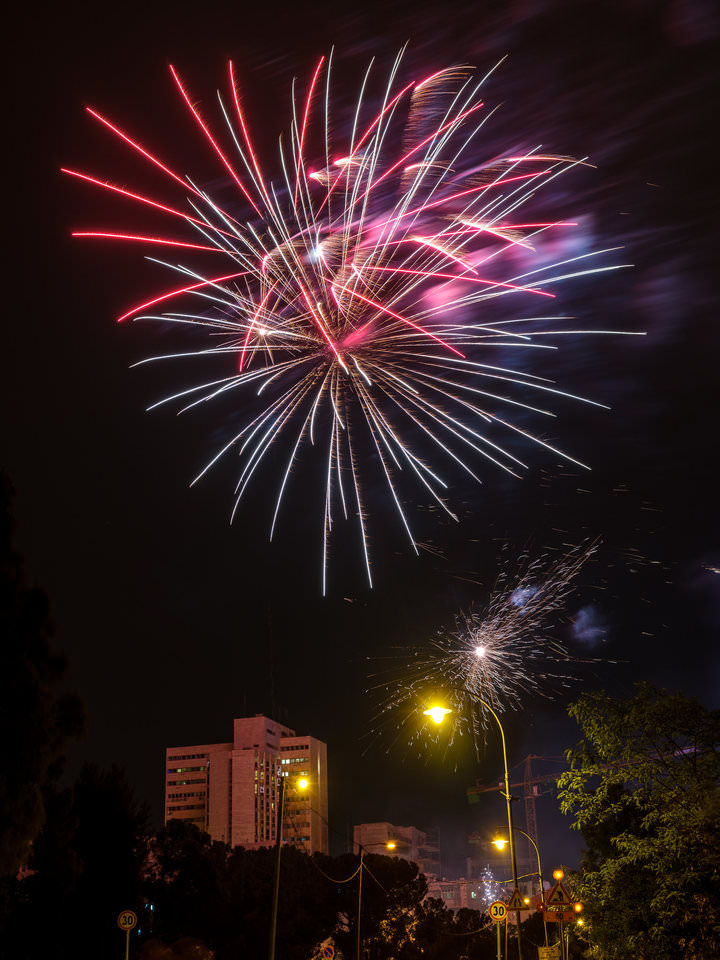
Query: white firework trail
pixel 346 312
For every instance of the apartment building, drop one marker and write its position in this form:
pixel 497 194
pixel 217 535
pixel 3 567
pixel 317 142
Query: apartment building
pixel 230 790
pixel 407 842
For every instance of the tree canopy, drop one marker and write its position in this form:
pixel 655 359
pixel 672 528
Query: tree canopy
pixel 644 790
pixel 36 722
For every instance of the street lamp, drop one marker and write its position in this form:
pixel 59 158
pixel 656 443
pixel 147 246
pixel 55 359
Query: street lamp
pixel 302 784
pixel 438 713
pixel 500 843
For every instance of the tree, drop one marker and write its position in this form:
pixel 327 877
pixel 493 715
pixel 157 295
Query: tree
pixel 35 722
pixel 85 869
pixel 186 878
pixel 644 789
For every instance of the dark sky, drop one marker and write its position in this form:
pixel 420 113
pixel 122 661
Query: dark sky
pixel 173 621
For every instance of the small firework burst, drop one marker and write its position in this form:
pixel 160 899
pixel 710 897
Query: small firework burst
pixel 496 654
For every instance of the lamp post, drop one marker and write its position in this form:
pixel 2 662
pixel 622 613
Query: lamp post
pixel 500 843
pixel 302 784
pixel 360 868
pixel 438 713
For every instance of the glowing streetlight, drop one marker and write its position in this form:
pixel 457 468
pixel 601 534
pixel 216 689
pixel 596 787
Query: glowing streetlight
pixel 438 713
pixel 302 783
pixel 558 874
pixel 500 842
pixel 391 844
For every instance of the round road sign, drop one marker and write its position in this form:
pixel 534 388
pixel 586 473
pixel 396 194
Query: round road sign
pixel 498 911
pixel 328 951
pixel 127 920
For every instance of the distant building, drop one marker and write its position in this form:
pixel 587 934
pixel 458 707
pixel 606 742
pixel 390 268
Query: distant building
pixel 487 857
pixel 406 842
pixel 230 790
pixel 457 894
pixel 475 895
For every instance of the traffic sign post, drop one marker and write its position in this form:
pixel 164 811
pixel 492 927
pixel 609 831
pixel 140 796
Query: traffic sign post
pixel 559 909
pixel 549 953
pixel 127 921
pixel 328 951
pixel 559 897
pixel 558 915
pixel 516 901
pixel 498 913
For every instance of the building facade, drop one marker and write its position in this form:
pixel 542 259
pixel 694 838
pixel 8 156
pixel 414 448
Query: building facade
pixel 406 842
pixel 477 895
pixel 230 790
pixel 487 858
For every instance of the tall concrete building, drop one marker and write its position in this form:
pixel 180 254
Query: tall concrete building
pixel 406 842
pixel 230 790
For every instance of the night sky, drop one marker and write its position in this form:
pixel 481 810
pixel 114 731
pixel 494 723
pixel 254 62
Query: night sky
pixel 175 622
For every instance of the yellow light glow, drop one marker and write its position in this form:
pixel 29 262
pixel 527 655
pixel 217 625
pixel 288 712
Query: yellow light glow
pixel 558 874
pixel 303 783
pixel 580 922
pixel 437 713
pixel 499 843
pixel 391 844
pixel 526 900
pixel 578 907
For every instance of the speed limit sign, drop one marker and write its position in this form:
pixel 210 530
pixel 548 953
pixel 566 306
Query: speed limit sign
pixel 127 920
pixel 498 911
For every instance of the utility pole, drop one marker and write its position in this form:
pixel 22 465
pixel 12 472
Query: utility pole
pixel 278 851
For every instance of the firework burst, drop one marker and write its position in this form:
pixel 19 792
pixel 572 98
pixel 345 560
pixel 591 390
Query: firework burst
pixel 347 307
pixel 499 653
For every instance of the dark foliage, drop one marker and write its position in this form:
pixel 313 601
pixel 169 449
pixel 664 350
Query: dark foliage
pixel 36 722
pixel 86 868
pixel 644 788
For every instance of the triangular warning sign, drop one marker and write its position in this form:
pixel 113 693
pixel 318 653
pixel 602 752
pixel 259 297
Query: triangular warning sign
pixel 558 896
pixel 516 901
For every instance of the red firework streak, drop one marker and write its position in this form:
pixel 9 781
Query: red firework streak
pixel 350 297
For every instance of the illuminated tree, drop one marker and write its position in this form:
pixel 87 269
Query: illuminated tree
pixel 644 788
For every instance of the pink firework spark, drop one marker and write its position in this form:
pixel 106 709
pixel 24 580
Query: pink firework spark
pixel 352 301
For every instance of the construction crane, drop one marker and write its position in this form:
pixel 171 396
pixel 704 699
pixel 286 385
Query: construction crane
pixel 531 789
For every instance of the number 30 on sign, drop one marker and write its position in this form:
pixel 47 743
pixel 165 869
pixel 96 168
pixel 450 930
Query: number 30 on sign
pixel 127 920
pixel 498 911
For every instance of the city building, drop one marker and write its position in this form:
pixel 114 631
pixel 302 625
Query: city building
pixel 230 790
pixel 459 894
pixel 476 895
pixel 486 859
pixel 406 842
